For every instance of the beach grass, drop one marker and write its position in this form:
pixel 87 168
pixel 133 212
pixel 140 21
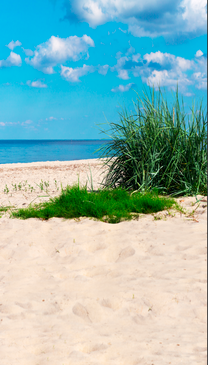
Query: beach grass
pixel 107 205
pixel 158 146
pixel 154 154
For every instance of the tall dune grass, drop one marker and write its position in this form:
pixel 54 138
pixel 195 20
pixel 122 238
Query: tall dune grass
pixel 158 147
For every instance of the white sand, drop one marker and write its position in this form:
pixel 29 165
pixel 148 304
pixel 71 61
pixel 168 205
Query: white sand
pixel 91 293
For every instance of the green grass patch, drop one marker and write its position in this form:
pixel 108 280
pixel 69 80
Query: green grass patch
pixel 4 209
pixel 108 205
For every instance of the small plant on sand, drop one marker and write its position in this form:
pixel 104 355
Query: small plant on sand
pixel 158 146
pixel 46 183
pixel 4 209
pixel 41 186
pixel 31 188
pixel 158 217
pixel 6 189
pixel 56 185
pixel 20 186
pixel 90 180
pixel 14 187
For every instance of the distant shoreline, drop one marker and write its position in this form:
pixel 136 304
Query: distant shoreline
pixel 94 161
pixel 53 140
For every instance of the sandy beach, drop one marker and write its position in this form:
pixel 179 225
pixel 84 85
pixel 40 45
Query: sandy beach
pixel 84 292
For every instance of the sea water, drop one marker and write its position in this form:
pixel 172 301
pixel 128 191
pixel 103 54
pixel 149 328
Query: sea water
pixel 14 151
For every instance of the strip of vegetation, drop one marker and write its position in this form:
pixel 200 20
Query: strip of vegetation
pixel 107 205
pixel 159 147
pixel 4 209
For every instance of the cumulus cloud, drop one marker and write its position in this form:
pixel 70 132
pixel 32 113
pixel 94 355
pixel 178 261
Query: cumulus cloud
pixel 13 44
pixel 199 53
pixel 58 50
pixel 145 18
pixel 2 124
pixel 13 60
pixel 164 69
pixel 167 61
pixel 194 14
pixel 200 66
pixel 119 67
pixel 38 84
pixel 122 88
pixel 201 80
pixel 73 74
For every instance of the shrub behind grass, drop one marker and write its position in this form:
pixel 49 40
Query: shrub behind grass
pixel 158 147
pixel 110 206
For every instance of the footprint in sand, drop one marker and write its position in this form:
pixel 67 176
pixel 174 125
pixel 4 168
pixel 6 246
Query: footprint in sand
pixel 125 253
pixel 113 304
pixel 24 305
pixel 81 311
pixel 93 347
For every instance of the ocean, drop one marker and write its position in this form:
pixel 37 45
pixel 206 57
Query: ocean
pixel 14 151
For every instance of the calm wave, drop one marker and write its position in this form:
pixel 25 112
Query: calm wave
pixel 14 151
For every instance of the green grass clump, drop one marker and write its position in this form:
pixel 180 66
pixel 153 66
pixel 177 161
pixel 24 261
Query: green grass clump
pixel 5 209
pixel 107 205
pixel 158 147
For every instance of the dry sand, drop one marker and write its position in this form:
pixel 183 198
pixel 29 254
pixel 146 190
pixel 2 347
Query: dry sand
pixel 92 293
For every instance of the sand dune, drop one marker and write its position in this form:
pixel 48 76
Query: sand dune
pixel 91 293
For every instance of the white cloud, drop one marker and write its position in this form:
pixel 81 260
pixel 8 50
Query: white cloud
pixel 13 60
pixel 52 118
pixel 199 53
pixel 136 57
pixel 169 79
pixel 119 67
pixel 201 63
pixel 201 80
pixel 103 69
pixel 194 14
pixel 73 74
pixel 165 69
pixel 28 52
pixel 13 44
pixel 137 31
pixel 168 60
pixel 38 84
pixel 145 18
pixel 123 74
pixel 122 88
pixel 2 124
pixel 58 50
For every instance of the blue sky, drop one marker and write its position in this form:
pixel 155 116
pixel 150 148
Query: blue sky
pixel 68 65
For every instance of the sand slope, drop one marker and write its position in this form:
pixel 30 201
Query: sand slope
pixel 91 293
